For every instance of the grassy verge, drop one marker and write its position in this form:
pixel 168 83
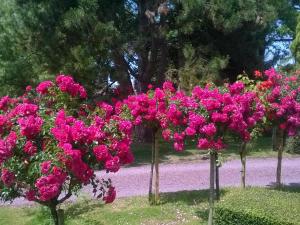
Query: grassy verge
pixel 186 208
pixel 260 148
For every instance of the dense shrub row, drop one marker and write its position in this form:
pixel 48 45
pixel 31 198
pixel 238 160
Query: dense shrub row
pixel 258 206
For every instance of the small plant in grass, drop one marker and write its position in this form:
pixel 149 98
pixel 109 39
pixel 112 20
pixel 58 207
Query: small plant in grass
pixel 52 141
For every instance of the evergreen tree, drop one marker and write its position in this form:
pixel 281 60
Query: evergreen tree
pixel 103 42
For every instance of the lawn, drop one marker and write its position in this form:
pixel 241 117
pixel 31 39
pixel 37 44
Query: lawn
pixel 187 208
pixel 259 148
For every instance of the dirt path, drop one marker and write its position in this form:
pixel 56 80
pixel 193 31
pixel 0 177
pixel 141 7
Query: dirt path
pixel 194 176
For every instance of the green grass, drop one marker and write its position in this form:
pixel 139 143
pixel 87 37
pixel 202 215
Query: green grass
pixel 186 208
pixel 259 148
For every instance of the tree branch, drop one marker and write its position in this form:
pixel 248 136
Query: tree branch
pixel 69 194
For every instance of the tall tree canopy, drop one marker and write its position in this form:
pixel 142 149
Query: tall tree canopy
pixel 137 42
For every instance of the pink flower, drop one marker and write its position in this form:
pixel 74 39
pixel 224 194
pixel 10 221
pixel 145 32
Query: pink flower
pixel 219 117
pixel 203 143
pixel 68 85
pixel 28 88
pixel 45 167
pixel 110 195
pixel 4 101
pixel 30 126
pixel 43 87
pixel 108 109
pixel 6 147
pixel 30 195
pixel 113 165
pixel 125 126
pixel 7 177
pixel 178 146
pixel 236 87
pixel 190 131
pixel 30 148
pixel 101 152
pixel 166 134
pixel 168 86
pixel 26 109
pixel 75 163
pixel 209 130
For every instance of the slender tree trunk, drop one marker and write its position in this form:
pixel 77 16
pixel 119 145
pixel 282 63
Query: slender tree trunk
pixel 54 214
pixel 57 214
pixel 243 161
pixel 280 142
pixel 60 214
pixel 212 187
pixel 217 177
pixel 156 162
pixel 152 168
pixel 274 138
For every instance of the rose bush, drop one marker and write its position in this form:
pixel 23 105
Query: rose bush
pixel 281 95
pixel 52 141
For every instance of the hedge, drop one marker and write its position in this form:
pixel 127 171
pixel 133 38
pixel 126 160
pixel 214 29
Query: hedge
pixel 259 206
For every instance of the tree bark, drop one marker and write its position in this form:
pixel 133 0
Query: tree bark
pixel 156 162
pixel 217 177
pixel 274 138
pixel 152 168
pixel 54 214
pixel 243 161
pixel 212 187
pixel 280 145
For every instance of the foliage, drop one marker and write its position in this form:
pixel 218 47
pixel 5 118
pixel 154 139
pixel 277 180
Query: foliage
pixel 105 42
pixel 293 144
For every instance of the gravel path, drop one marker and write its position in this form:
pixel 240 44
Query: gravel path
pixel 194 176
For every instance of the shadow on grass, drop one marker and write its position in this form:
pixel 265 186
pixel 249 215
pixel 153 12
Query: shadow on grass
pixel 187 197
pixel 291 187
pixel 191 198
pixel 42 216
pixel 81 207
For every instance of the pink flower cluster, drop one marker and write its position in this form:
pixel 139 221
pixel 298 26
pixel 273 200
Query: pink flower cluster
pixel 49 186
pixel 6 147
pixel 207 114
pixel 7 177
pixel 235 110
pixel 161 109
pixel 68 85
pixel 282 100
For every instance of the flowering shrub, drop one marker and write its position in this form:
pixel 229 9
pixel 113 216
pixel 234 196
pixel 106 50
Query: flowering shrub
pixel 160 109
pixel 52 141
pixel 211 112
pixel 281 96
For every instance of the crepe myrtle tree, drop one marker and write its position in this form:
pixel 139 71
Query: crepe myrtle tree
pixel 157 109
pixel 52 141
pixel 281 95
pixel 209 114
pixel 255 109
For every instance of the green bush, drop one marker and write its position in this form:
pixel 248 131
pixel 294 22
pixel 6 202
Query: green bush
pixel 259 206
pixel 293 144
